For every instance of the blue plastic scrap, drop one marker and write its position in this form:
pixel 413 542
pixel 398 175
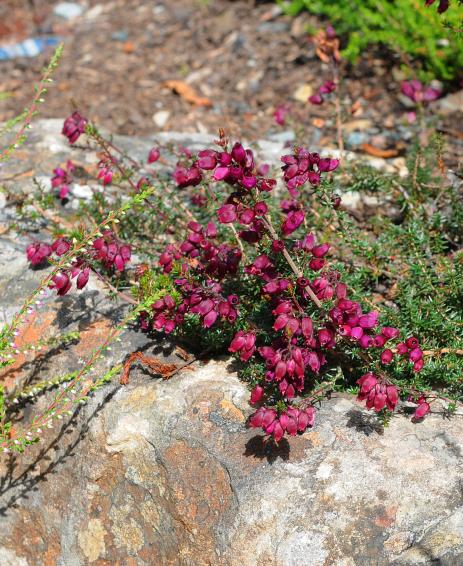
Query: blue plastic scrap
pixel 28 48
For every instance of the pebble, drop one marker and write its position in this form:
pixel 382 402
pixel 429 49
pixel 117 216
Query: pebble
pixel 30 47
pixel 68 10
pixel 357 138
pixel 283 137
pixel 83 191
pixel 44 181
pixel 363 124
pixel 405 100
pixel 272 150
pixel 400 165
pixel 273 27
pixel 378 140
pixel 120 35
pixel 450 103
pixel 303 92
pixel 351 199
pixel 94 12
pixel 160 118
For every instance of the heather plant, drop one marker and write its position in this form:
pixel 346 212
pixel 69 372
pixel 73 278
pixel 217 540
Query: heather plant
pixel 264 263
pixel 249 276
pixel 413 29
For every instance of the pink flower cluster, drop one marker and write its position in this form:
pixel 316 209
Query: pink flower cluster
pixel 244 344
pixel 187 176
pixel 291 421
pixel 209 258
pixel 299 342
pixel 62 179
pixel 112 253
pixel 411 350
pixel 280 113
pixel 164 316
pixel 107 250
pixel 377 392
pixel 205 300
pixel 251 218
pixel 62 280
pixel 423 408
pixel 154 155
pixel 235 167
pixel 318 252
pixel 202 264
pixel 74 126
pixel 286 364
pixel 38 253
pixel 327 88
pixel 210 304
pixel 302 167
pixel 105 172
pixel 353 324
pixel 416 91
pixel 302 318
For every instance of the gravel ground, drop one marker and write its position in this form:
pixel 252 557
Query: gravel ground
pixel 233 63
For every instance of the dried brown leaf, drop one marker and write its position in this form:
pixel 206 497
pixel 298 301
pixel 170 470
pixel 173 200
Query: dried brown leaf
pixel 154 364
pixel 187 93
pixel 377 152
pixel 182 353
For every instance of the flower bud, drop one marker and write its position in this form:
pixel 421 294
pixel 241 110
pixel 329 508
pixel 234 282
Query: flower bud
pixel 412 343
pixel 154 155
pixel 387 356
pixel 415 355
pixel 256 394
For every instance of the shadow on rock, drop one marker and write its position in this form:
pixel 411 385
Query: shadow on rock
pixel 37 367
pixel 16 484
pixel 261 447
pixel 368 424
pixel 84 309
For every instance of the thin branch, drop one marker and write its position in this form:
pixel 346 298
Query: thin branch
pixel 289 259
pixel 124 296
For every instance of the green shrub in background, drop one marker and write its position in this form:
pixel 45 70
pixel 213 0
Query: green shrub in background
pixel 405 26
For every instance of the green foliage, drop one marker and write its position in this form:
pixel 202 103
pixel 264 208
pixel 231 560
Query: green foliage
pixel 154 286
pixel 405 26
pixel 23 120
pixel 409 266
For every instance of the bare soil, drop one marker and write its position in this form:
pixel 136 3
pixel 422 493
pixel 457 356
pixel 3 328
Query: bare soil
pixel 234 62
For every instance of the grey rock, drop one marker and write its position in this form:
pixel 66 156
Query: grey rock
pixel 357 138
pixel 273 27
pixel 283 137
pixel 170 467
pixel 120 35
pixel 450 104
pixel 84 191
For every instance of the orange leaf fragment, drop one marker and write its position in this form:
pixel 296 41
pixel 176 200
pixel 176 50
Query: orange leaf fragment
pixel 318 122
pixel 128 47
pixel 377 152
pixel 182 353
pixel 188 93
